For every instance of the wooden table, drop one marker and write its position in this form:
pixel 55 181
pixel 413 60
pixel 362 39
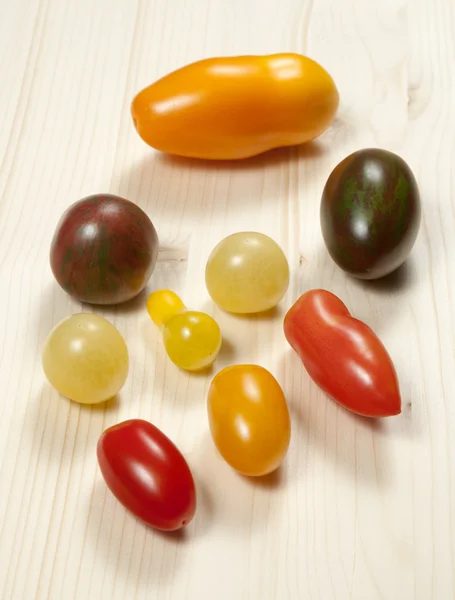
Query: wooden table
pixel 360 510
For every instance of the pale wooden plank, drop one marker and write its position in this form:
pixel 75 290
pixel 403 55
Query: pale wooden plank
pixel 360 511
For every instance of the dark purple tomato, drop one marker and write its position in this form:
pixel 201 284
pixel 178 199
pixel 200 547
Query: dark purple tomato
pixel 104 250
pixel 370 213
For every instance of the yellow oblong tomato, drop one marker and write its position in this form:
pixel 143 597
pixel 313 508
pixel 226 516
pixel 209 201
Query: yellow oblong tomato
pixel 236 107
pixel 249 419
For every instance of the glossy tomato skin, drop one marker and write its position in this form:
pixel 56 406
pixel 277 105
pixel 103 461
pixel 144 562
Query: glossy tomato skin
pixel 104 250
pixel 148 474
pixel 236 107
pixel 370 213
pixel 85 358
pixel 343 355
pixel 249 419
pixel 192 338
pixel 247 272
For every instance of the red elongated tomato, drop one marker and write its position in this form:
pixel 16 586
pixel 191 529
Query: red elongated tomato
pixel 342 355
pixel 147 473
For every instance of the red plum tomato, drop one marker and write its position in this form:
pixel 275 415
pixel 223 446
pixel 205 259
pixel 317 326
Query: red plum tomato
pixel 148 474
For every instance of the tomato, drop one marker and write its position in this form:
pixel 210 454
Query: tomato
pixel 162 305
pixel 104 250
pixel 86 359
pixel 247 272
pixel 192 338
pixel 236 107
pixel 343 355
pixel 148 474
pixel 249 419
pixel 370 213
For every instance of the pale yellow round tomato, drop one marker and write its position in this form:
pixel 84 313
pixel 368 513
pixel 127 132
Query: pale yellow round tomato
pixel 86 359
pixel 247 272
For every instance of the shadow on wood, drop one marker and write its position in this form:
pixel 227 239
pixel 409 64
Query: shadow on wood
pixel 274 480
pixel 347 439
pixel 394 283
pixel 276 156
pixel 163 185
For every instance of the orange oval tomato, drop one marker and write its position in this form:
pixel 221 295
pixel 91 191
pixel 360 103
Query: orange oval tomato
pixel 236 107
pixel 249 419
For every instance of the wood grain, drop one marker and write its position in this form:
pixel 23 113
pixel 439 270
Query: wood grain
pixel 360 510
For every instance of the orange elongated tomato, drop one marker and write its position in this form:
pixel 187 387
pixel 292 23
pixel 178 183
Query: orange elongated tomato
pixel 342 355
pixel 236 107
pixel 249 419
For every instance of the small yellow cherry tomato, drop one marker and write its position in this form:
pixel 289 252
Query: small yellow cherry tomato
pixel 236 107
pixel 249 419
pixel 192 339
pixel 247 272
pixel 163 305
pixel 86 359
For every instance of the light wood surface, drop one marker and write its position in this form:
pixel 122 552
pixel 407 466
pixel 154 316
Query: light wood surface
pixel 360 510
